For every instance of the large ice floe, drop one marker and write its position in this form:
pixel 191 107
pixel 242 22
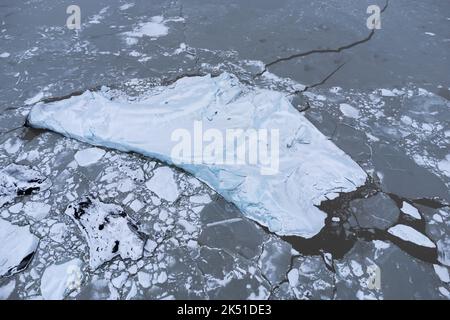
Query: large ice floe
pixel 283 197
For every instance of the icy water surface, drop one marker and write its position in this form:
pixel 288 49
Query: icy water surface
pixel 382 97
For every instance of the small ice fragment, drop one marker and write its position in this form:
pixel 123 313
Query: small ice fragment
pixel 349 111
pixel 144 279
pixel 442 273
pixel 293 277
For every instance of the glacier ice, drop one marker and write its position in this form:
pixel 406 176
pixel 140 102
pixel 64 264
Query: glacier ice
pixel 311 168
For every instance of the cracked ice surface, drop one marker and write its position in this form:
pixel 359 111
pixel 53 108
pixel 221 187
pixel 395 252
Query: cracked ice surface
pixel 312 168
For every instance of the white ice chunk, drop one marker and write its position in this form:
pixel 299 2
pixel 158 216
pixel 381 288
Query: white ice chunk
pixel 36 210
pixel 444 165
pixel 17 247
pixel 154 28
pixel 409 234
pixel 442 273
pixel 89 156
pixel 56 281
pixel 145 279
pixel 163 184
pixel 410 210
pixel 311 168
pixel 108 230
pixel 293 277
pixel 349 111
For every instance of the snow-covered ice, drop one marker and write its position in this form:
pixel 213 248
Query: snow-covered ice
pixel 17 247
pixel 108 230
pixel 17 180
pixel 410 234
pixel 59 279
pixel 311 167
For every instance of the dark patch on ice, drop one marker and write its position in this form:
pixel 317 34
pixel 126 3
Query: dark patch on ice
pixel 24 263
pixel 116 246
pixel 80 209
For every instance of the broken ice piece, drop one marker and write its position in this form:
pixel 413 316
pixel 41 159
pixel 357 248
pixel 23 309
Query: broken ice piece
pixel 443 246
pixel 17 180
pixel 406 233
pixel 58 280
pixel 36 210
pixel 410 210
pixel 17 247
pixel 108 230
pixel 163 184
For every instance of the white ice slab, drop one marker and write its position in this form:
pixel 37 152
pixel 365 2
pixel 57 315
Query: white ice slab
pixel 409 234
pixel 16 245
pixel 311 167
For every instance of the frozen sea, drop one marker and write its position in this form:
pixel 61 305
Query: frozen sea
pixel 81 219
